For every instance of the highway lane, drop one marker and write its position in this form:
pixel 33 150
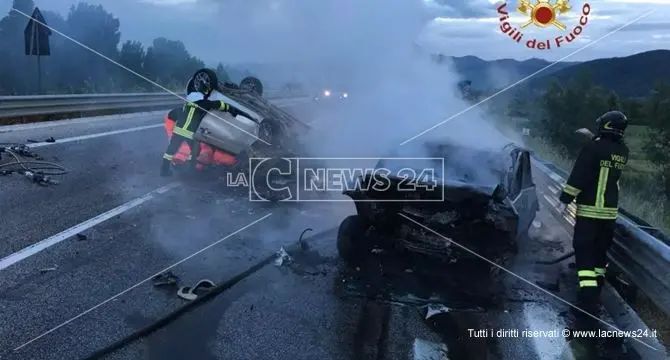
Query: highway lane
pixel 106 172
pixel 276 313
pixel 103 173
pixel 318 308
pixel 125 251
pixel 297 311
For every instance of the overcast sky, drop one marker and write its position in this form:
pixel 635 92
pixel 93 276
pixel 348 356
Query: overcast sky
pixel 288 30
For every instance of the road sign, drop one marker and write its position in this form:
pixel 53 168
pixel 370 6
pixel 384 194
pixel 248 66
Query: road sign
pixel 37 35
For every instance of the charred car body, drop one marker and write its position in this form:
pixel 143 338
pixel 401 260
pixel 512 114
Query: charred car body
pixel 483 200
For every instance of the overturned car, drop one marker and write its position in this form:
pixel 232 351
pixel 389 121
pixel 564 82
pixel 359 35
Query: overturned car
pixel 482 200
pixel 230 141
pixel 269 130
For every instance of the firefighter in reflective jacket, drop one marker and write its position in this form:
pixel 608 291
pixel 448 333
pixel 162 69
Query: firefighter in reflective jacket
pixel 207 156
pixel 594 184
pixel 186 121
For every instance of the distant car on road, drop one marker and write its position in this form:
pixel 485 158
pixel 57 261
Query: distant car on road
pixel 328 94
pixel 482 199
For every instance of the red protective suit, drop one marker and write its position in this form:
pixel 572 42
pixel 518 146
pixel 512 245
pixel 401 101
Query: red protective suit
pixel 208 155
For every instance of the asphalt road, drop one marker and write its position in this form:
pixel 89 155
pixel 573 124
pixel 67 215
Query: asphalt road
pixel 82 293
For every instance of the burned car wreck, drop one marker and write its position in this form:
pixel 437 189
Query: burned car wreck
pixel 483 200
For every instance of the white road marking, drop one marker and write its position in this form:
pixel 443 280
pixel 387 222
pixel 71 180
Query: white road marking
pixel 93 136
pixel 66 234
pixel 146 280
pixel 428 350
pixel 553 189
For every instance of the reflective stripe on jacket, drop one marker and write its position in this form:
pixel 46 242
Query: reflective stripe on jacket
pixel 594 180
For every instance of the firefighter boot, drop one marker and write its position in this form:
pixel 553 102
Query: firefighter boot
pixel 166 168
pixel 581 317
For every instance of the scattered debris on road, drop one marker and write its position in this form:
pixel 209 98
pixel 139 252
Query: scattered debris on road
pixel 165 279
pixel 46 270
pixel 282 257
pixel 22 160
pixel 48 140
pixel 192 293
pixel 436 309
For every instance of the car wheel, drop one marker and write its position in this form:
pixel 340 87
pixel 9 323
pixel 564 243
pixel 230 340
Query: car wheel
pixel 207 75
pixel 353 243
pixel 252 84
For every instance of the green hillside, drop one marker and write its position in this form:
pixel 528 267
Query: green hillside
pixel 630 76
pixel 495 74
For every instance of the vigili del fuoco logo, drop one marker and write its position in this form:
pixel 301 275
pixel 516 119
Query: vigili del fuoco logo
pixel 544 14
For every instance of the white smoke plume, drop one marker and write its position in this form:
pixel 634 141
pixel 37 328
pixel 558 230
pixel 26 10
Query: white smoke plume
pixel 373 50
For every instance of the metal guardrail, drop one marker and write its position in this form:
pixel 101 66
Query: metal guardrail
pixel 17 106
pixel 640 252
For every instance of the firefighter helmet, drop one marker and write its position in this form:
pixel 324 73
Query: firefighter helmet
pixel 612 122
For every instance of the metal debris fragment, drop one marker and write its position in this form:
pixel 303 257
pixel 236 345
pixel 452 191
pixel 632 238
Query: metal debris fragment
pixel 283 257
pixel 304 246
pixel 164 279
pixel 192 293
pixel 45 270
pixel 436 309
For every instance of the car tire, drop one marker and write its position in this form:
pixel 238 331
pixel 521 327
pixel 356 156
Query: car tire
pixel 207 73
pixel 252 84
pixel 353 242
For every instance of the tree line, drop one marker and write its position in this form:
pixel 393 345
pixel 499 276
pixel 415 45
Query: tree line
pixel 74 69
